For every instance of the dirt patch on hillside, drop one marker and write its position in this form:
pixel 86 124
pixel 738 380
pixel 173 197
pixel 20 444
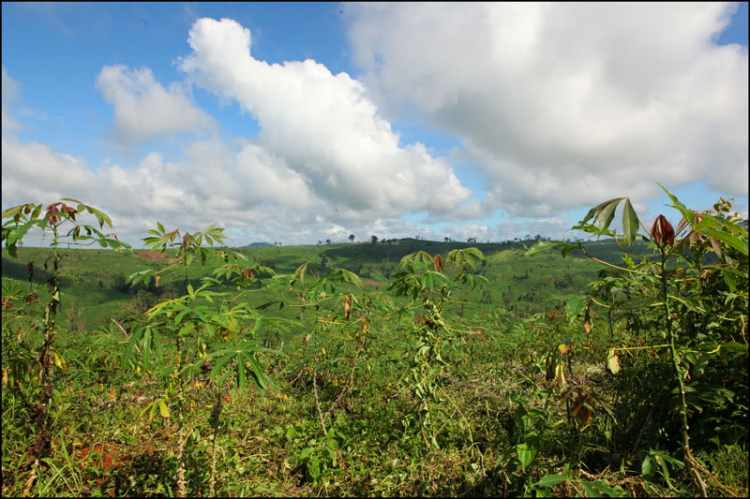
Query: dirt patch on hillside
pixel 372 283
pixel 152 256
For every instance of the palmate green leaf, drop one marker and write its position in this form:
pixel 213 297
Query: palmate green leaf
pixel 729 279
pixel 727 238
pixel 126 355
pixel 551 480
pixel 152 408
pixel 541 246
pixel 630 222
pixel 474 252
pixel 240 371
pixel 574 306
pixel 599 489
pixel 163 409
pixel 422 256
pixel 526 454
pixel 228 352
pixel 596 210
pixel 647 467
pixel 677 203
pixel 257 373
pixel 344 276
pixel 101 217
pixel 472 279
pixel 300 272
pixel 433 280
pixel 606 215
pixel 12 212
pixel 220 363
pixel 465 255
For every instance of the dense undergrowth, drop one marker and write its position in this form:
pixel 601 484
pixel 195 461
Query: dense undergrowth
pixel 247 380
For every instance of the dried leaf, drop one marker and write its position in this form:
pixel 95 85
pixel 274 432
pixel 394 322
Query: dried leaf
pixel 437 263
pixel 716 245
pixel 347 307
pixel 613 363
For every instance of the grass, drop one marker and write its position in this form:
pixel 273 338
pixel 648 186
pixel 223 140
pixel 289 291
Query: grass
pixel 497 397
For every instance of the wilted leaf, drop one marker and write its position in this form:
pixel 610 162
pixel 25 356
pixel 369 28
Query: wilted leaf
pixel 716 245
pixel 347 307
pixel 163 409
pixel 613 363
pixel 727 238
pixel 437 263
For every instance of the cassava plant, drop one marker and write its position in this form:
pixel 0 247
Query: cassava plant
pixel 696 279
pixel 422 279
pixel 202 330
pixel 54 218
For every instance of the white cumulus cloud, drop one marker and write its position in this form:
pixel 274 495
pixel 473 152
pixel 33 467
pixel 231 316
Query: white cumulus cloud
pixel 567 104
pixel 322 130
pixel 9 95
pixel 144 109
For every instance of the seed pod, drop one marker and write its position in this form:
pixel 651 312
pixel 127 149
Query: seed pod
pixel 662 232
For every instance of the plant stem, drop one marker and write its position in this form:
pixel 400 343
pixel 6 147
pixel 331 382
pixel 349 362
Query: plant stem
pixel 216 415
pixel 689 460
pixel 43 438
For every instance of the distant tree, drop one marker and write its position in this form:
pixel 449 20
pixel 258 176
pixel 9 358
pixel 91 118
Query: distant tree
pixel 320 242
pixel 328 241
pixel 374 239
pixel 351 237
pixel 537 237
pixel 447 239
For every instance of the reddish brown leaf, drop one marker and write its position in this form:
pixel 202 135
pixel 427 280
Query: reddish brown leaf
pixel 69 210
pixel 662 232
pixel 347 307
pixel 51 210
pixel 31 298
pixel 248 273
pixel 437 263
pixel 716 245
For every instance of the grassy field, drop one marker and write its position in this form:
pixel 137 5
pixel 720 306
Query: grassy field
pixel 505 389
pixel 95 289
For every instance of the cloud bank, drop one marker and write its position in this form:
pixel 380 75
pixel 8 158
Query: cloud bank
pixel 143 108
pixel 566 104
pixel 324 126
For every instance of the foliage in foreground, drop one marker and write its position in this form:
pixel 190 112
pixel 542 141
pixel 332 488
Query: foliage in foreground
pixel 637 388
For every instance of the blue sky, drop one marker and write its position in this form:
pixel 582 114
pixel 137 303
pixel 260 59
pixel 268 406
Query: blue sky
pixel 486 121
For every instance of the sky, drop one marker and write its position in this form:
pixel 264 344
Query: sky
pixel 302 122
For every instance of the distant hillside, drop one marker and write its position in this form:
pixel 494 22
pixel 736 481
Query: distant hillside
pixel 258 245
